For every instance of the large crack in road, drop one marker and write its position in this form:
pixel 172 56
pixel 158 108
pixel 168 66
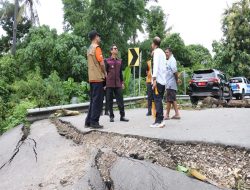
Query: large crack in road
pixel 227 166
pixel 67 158
pixel 24 139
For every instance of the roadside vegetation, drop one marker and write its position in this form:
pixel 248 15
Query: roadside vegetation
pixel 50 68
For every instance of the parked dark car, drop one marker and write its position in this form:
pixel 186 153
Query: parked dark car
pixel 209 83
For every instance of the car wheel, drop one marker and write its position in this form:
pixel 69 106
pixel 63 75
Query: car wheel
pixel 221 95
pixel 230 95
pixel 243 94
pixel 194 100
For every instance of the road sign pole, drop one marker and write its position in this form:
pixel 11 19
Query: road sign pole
pixel 140 73
pixel 133 61
pixel 184 81
pixel 134 80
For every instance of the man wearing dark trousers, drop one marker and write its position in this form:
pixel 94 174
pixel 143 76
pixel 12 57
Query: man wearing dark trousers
pixel 159 81
pixel 96 72
pixel 114 83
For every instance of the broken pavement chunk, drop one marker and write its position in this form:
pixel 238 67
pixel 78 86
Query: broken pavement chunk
pixel 64 112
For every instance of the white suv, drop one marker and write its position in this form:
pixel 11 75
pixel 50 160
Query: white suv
pixel 240 87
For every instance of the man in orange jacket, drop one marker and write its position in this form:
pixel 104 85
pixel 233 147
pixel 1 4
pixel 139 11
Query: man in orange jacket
pixel 96 72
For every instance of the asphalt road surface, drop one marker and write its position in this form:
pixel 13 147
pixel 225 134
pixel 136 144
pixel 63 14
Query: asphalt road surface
pixel 46 160
pixel 227 126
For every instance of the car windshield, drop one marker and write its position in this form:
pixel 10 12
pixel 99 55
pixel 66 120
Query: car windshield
pixel 236 80
pixel 204 74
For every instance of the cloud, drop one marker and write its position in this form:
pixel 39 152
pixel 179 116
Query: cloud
pixel 51 13
pixel 198 21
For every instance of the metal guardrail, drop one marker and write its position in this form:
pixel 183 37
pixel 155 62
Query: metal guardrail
pixel 43 113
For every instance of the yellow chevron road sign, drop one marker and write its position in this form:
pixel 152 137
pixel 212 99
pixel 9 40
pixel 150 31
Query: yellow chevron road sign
pixel 133 57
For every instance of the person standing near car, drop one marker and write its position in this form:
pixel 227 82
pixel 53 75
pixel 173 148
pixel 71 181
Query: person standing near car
pixel 159 81
pixel 171 86
pixel 96 74
pixel 114 83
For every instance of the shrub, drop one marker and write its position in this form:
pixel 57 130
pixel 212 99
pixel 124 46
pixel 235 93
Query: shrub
pixel 73 89
pixel 18 116
pixel 8 69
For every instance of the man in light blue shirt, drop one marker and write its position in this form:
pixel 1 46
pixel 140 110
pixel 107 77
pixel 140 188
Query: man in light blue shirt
pixel 171 85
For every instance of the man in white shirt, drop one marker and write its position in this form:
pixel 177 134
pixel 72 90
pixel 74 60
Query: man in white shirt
pixel 171 85
pixel 159 81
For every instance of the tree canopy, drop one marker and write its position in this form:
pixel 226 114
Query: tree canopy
pixel 176 43
pixel 50 68
pixel 232 53
pixel 117 21
pixel 156 22
pixel 45 49
pixel 6 22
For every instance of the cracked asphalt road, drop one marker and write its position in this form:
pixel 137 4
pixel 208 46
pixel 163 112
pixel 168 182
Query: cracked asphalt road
pixel 59 161
pixel 226 126
pixel 63 164
pixel 139 175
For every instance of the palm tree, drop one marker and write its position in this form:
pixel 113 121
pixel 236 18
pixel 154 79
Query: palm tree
pixel 26 5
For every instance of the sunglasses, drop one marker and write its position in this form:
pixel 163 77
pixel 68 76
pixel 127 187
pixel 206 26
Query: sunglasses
pixel 115 48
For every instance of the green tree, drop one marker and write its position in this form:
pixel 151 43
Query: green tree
pixel 222 58
pixel 45 49
pixel 233 51
pixel 199 56
pixel 18 15
pixel 145 47
pixel 117 20
pixel 28 7
pixel 8 69
pixel 75 12
pixel 6 22
pixel 156 22
pixel 176 43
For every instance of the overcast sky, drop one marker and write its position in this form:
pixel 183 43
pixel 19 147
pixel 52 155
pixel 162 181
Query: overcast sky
pixel 198 21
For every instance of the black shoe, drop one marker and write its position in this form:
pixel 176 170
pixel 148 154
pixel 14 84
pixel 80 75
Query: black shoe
pixel 112 119
pixel 87 125
pixel 106 113
pixel 96 126
pixel 124 119
pixel 149 114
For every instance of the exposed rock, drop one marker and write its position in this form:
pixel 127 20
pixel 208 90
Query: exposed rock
pixel 239 103
pixel 211 102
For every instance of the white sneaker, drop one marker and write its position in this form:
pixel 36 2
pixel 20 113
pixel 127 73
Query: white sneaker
pixel 153 125
pixel 158 125
pixel 162 124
